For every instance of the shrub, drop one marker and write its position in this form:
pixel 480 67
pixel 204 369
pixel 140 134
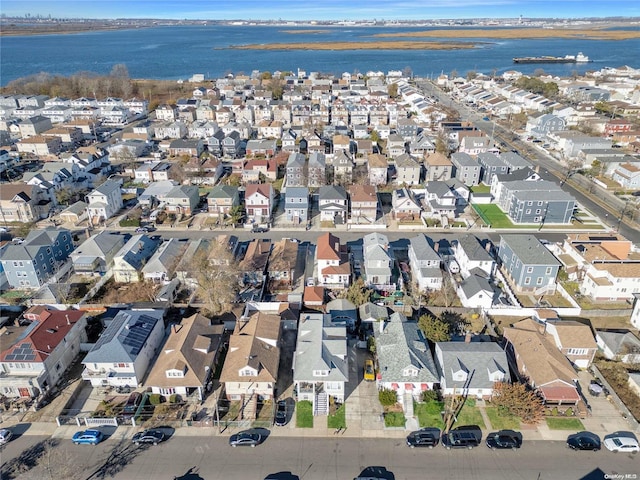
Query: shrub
pixel 387 397
pixel 155 399
pixel 569 412
pixel 175 398
pixel 554 412
pixel 429 396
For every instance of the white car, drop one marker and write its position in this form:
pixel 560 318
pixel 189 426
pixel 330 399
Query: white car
pixel 625 442
pixel 5 436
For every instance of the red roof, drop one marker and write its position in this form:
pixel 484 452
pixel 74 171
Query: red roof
pixel 560 394
pixel 51 326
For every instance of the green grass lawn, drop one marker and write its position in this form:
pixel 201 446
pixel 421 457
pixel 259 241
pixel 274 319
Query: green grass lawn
pixel 492 215
pixel 428 414
pixel 394 419
pixel 470 415
pixel 480 188
pixel 338 419
pixel 304 414
pixel 559 423
pixel 499 422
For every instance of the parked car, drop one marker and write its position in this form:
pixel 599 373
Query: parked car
pixel 465 436
pixel 584 441
pixel 281 413
pixel 148 436
pixel 622 442
pixel 5 435
pixel 89 437
pixel 425 437
pixel 142 230
pixel 504 439
pixel 17 240
pixel 257 229
pixel 246 438
pixel 369 371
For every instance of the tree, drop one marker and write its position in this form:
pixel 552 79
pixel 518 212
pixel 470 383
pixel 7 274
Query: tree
pixel 236 214
pixel 471 75
pixel 457 323
pixel 216 272
pixel 517 399
pixel 64 195
pixel 387 397
pixel 434 328
pixel 357 293
pixel 392 90
pixel 442 144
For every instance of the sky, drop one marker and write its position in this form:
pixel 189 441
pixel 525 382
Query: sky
pixel 320 9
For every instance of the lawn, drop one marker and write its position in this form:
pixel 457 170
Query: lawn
pixel 337 420
pixel 493 216
pixel 499 422
pixel 428 414
pixel 394 419
pixel 470 415
pixel 559 423
pixel 304 414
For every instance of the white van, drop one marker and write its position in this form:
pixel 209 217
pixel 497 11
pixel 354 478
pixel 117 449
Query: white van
pixel 453 267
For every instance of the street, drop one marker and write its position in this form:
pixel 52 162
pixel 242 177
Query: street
pixel 211 458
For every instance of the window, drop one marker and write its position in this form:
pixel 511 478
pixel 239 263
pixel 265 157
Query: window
pixel 539 281
pixel 538 211
pixel 529 203
pixel 528 211
pixel 527 281
pixel 529 269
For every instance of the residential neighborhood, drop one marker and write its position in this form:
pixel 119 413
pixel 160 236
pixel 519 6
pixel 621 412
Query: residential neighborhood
pixel 353 256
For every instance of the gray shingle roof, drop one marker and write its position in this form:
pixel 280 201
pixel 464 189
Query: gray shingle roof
pixel 422 248
pixel 473 248
pixel 477 359
pixel 529 250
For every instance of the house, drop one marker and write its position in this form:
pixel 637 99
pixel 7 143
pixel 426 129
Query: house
pixel 475 291
pixel 203 171
pixel 539 125
pixel 250 370
pixel 404 205
pixel 466 168
pixel 163 262
pixel 628 176
pixel 190 147
pixel 74 213
pixel 23 203
pixel 537 202
pixel 574 339
pixel 296 204
pixel 320 362
pixel 149 172
pixel 342 165
pixel 104 202
pixel 253 266
pixel 527 264
pixel 405 364
pixel 395 146
pixel 259 170
pixel 378 262
pixel 470 254
pixel 332 203
pixel 123 353
pixel 222 199
pixel 622 345
pixel 38 259
pixel 188 358
pixel 370 312
pixel 259 202
pixel 95 255
pixel 342 312
pixel 491 165
pixel 296 170
pixel 364 203
pixel 437 167
pixel 474 144
pixel 128 262
pixel 471 368
pixel 196 250
pixel 283 260
pixel 378 166
pixel 332 260
pixel 408 170
pixel 182 199
pixel 313 297
pixel 35 359
pixel 316 169
pixel 441 201
pixel 540 361
pixel 425 263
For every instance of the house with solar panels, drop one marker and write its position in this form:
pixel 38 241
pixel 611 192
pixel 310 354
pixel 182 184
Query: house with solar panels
pixel 125 350
pixel 35 356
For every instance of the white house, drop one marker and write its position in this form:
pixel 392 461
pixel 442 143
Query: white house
pixel 425 263
pixel 104 202
pixel 124 351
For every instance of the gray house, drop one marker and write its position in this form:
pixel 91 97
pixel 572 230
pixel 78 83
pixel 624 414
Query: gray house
pixel 378 262
pixel 425 263
pixel 491 164
pixel 466 168
pixel 296 173
pixel 536 202
pixel 343 312
pixel 296 204
pixel 333 204
pixel 408 170
pixel 317 169
pixel 95 255
pixel 471 368
pixel 527 263
pixel 32 263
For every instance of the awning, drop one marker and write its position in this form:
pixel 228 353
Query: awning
pixel 408 386
pixel 424 387
pixel 394 386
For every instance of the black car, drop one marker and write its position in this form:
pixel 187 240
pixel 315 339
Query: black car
pixel 425 437
pixel 148 436
pixel 245 439
pixel 466 436
pixel 504 439
pixel 584 441
pixel 281 413
pixel 259 229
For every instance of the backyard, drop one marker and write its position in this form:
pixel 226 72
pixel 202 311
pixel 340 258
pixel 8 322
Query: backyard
pixel 492 216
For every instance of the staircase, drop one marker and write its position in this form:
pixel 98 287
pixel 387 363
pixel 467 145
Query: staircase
pixel 407 400
pixel 322 404
pixel 249 408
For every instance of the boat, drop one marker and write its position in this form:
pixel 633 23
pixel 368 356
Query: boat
pixel 579 58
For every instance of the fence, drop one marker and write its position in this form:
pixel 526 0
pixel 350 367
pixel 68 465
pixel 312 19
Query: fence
pixel 100 421
pixel 627 415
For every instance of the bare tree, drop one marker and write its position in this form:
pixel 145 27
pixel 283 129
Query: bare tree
pixel 216 272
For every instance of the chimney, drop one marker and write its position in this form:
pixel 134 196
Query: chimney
pixel 381 326
pixel 67 317
pixel 48 347
pixel 436 246
pixel 467 337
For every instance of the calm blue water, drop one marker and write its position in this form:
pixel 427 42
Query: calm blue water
pixel 178 52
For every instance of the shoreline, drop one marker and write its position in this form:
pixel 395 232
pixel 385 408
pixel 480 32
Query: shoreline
pixel 390 45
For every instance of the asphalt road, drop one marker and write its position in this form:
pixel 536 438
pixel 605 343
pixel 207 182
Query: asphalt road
pixel 211 458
